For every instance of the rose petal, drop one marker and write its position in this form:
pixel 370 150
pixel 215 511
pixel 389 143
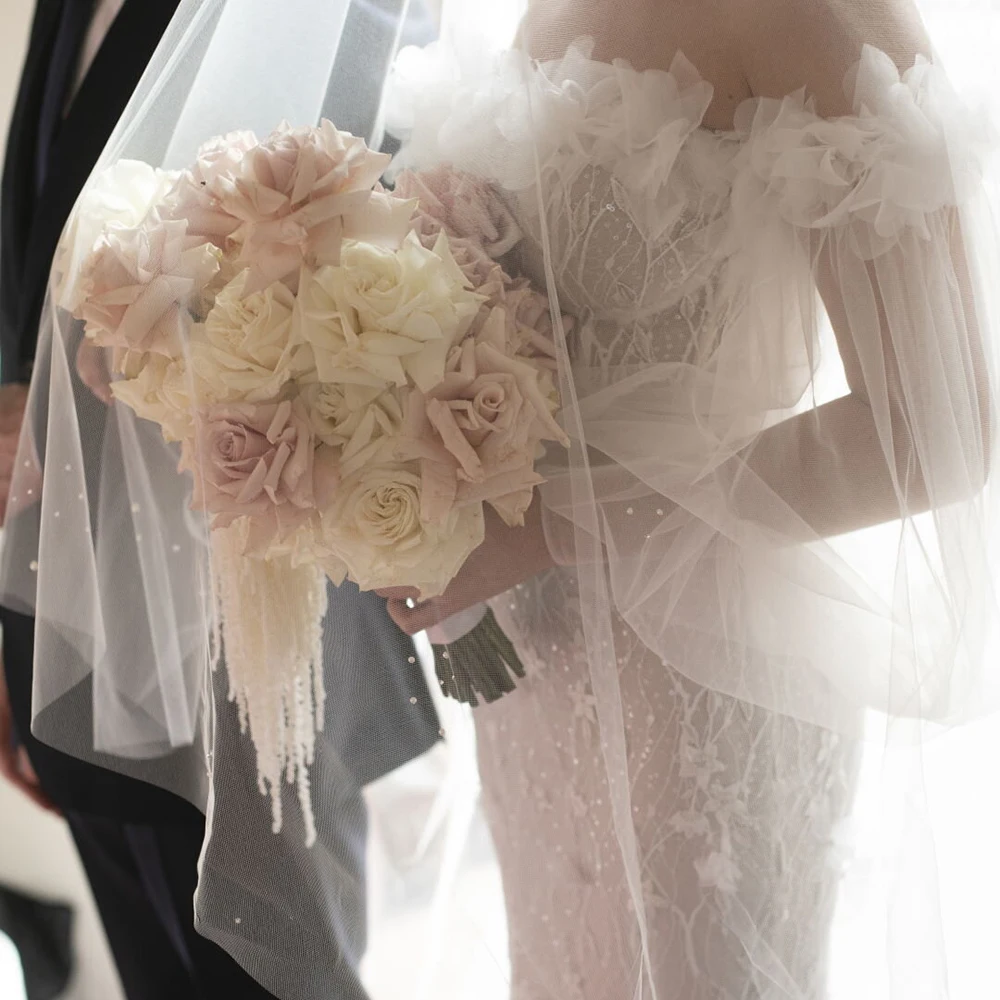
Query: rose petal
pixel 443 420
pixel 254 485
pixel 528 381
pixel 438 490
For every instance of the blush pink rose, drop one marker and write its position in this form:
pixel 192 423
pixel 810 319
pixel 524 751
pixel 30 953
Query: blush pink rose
pixel 196 195
pixel 299 192
pixel 477 434
pixel 467 207
pixel 481 228
pixel 259 461
pixel 483 273
pixel 462 207
pixel 530 332
pixel 140 283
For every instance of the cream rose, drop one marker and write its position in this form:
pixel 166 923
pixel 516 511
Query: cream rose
pixel 386 318
pixel 159 390
pixel 376 529
pixel 245 349
pixel 362 421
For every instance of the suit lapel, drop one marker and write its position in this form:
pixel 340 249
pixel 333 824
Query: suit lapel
pixel 111 79
pixel 74 23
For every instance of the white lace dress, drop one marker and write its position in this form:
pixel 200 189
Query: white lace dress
pixel 735 781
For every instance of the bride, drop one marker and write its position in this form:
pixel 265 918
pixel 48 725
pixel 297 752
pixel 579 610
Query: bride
pixel 762 569
pixel 667 786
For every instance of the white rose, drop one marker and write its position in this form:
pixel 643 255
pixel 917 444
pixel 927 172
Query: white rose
pixel 375 527
pixel 119 197
pixel 159 391
pixel 362 421
pixel 386 317
pixel 245 349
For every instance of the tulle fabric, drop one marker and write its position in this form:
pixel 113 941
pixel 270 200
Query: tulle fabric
pixel 693 258
pixel 777 546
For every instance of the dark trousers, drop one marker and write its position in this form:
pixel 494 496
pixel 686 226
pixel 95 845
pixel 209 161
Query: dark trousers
pixel 143 879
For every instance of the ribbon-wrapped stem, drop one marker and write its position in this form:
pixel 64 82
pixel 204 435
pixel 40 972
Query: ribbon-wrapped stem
pixel 482 663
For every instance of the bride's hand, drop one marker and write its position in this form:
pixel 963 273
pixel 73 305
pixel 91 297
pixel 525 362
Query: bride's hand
pixel 507 557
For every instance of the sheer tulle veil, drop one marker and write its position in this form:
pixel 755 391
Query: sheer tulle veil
pixel 752 715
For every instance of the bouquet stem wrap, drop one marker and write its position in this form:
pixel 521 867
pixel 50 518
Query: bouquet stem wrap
pixel 481 663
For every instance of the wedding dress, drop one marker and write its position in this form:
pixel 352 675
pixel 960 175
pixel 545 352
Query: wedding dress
pixel 774 530
pixel 735 807
pixel 639 219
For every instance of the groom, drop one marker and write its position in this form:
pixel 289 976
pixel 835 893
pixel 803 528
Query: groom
pixel 139 844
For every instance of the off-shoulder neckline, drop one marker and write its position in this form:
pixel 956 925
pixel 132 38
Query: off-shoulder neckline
pixel 690 75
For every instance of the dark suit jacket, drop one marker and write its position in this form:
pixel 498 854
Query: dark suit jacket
pixel 32 223
pixel 371 725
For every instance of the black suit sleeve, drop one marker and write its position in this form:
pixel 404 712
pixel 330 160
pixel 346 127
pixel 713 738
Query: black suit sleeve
pixel 17 189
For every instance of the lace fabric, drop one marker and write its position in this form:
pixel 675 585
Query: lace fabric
pixel 739 881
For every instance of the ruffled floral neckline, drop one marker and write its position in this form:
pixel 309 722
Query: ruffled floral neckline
pixel 887 164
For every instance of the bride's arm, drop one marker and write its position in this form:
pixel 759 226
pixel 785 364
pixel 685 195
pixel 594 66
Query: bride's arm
pixel 862 459
pixel 832 465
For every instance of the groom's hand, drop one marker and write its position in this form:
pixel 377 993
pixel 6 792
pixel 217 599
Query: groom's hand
pixel 14 763
pixel 507 557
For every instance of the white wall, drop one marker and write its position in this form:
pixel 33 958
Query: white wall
pixel 36 851
pixel 15 18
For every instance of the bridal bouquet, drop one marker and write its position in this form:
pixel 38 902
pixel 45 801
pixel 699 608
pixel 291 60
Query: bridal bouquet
pixel 348 381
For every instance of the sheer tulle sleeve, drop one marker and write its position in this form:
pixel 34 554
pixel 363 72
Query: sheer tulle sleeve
pixel 800 513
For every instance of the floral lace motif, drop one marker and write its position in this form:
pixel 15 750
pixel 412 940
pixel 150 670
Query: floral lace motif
pixel 735 810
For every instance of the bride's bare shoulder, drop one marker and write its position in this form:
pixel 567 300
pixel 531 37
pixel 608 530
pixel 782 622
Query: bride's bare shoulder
pixel 789 44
